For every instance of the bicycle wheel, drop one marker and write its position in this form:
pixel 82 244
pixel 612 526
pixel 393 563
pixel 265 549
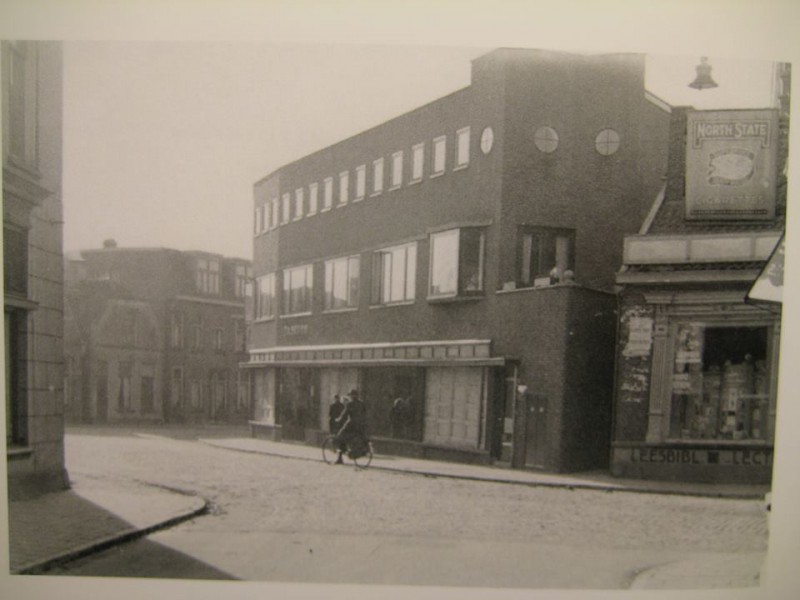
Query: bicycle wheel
pixel 329 451
pixel 363 461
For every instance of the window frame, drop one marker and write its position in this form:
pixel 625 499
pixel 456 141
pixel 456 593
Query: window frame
pixel 286 208
pixel 396 173
pixel 313 198
pixel 461 288
pixel 327 195
pixel 551 236
pixel 417 163
pixel 462 162
pixel 377 176
pixel 287 276
pixel 378 296
pixel 299 204
pixel 439 154
pixel 344 188
pixel 261 296
pixel 361 183
pixel 351 262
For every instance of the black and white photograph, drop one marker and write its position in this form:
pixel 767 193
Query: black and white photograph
pixel 304 313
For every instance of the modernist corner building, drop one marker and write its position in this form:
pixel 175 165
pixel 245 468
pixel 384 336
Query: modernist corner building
pixel 698 355
pixel 32 264
pixel 457 263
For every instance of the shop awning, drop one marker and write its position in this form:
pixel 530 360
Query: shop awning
pixel 421 353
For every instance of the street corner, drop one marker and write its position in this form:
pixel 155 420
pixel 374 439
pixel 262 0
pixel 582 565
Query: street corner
pixel 703 572
pixel 143 505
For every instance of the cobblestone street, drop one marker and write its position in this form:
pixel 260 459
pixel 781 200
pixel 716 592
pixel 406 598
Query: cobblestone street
pixel 280 510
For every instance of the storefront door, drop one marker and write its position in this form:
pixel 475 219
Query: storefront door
pixel 535 431
pixel 454 403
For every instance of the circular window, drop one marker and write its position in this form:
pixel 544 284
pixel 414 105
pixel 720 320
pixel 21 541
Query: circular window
pixel 487 140
pixel 546 139
pixel 607 142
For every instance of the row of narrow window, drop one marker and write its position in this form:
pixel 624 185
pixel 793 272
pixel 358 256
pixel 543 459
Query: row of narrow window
pixel 276 212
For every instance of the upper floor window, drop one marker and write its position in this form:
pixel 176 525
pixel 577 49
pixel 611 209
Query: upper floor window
pixel 327 200
pixel 545 254
pixel 439 155
pixel 462 147
pixel 20 135
pixel 342 283
pixel 218 339
pixel 417 160
pixel 207 276
pixel 243 276
pixel 286 207
pixel 297 290
pixel 361 182
pixel 344 187
pixel 394 272
pixel 457 262
pixel 265 218
pixel 377 176
pixel 397 169
pixel 298 204
pixel 265 296
pixel 313 198
pixel 239 335
pixel 197 335
pixel 257 220
pixel 275 208
pixel 176 330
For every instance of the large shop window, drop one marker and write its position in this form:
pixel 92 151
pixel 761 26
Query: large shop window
pixel 265 298
pixel 297 288
pixel 394 274
pixel 545 254
pixel 457 262
pixel 341 283
pixel 720 383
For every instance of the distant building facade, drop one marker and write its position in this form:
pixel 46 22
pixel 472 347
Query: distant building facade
pixel 156 335
pixel 458 262
pixel 697 362
pixel 32 261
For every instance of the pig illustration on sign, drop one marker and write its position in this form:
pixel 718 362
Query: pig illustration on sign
pixel 730 167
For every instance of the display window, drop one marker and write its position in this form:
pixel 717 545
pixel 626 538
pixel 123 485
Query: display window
pixel 720 382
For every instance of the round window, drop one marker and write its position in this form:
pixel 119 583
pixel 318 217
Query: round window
pixel 607 142
pixel 487 140
pixel 546 139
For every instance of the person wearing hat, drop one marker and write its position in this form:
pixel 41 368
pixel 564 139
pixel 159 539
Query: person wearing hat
pixel 354 430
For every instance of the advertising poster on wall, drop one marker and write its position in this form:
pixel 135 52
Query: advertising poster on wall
pixel 731 165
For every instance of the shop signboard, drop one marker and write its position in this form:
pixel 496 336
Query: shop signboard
pixel 731 164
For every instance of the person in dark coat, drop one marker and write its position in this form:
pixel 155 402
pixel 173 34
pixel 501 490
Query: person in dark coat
pixel 354 428
pixel 334 413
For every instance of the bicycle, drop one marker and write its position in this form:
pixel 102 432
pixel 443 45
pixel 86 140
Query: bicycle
pixel 330 453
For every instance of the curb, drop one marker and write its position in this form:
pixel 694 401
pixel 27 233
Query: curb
pixel 544 484
pixel 41 566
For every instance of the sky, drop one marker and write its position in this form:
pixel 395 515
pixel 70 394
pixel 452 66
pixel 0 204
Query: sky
pixel 163 141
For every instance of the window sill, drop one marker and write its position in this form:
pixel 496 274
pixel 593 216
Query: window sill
pixel 19 452
pixel 415 181
pixel 435 175
pixel 297 219
pixel 460 167
pixel 342 204
pixel 376 194
pixel 392 304
pixel 395 187
pixel 336 311
pixel 264 319
pixel 326 209
pixel 455 298
pixel 358 199
pixel 295 315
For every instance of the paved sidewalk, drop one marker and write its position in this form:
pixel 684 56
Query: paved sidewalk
pixel 93 515
pixel 591 480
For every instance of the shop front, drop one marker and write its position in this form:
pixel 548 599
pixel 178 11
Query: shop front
pixel 697 388
pixel 427 399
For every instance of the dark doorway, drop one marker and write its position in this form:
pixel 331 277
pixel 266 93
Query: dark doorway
pixel 102 391
pixel 535 431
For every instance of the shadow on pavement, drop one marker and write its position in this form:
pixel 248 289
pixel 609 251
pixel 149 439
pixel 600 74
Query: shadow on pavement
pixel 141 558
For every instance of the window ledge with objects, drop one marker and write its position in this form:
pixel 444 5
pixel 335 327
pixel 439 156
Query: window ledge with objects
pixel 474 297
